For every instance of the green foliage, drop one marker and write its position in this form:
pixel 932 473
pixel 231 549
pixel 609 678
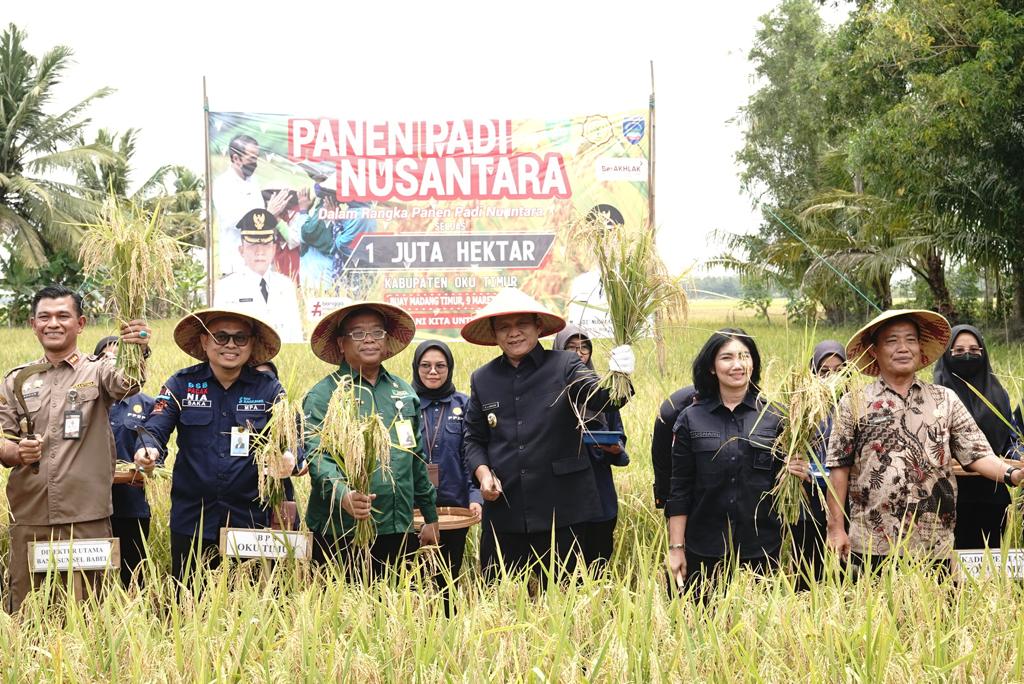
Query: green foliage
pixel 892 141
pixel 20 283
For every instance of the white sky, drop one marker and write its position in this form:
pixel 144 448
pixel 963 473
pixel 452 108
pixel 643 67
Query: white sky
pixel 398 60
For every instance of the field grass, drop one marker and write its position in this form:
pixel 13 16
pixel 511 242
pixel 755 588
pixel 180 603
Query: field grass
pixel 310 626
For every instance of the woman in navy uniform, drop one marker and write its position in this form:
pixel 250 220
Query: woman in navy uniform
pixel 442 411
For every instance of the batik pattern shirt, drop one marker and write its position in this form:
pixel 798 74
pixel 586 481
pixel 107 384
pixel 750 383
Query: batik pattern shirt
pixel 900 451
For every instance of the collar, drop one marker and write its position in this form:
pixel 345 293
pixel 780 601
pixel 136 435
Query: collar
pixel 382 375
pixel 75 359
pixel 426 403
pixel 749 400
pixel 917 384
pixel 536 355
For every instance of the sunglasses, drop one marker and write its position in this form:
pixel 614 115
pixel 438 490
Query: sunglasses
pixel 240 339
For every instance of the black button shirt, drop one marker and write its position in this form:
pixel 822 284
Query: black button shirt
pixel 520 422
pixel 722 470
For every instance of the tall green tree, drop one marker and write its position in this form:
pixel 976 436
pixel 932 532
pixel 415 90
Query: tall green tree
pixel 38 212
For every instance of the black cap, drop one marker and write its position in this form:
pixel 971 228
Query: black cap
pixel 257 227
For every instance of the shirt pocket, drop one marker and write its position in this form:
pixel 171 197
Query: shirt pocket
pixel 711 460
pixel 761 471
pixel 568 466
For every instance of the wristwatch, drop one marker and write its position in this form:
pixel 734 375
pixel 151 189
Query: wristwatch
pixel 1008 475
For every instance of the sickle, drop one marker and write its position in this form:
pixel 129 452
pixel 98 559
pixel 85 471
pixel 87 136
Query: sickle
pixel 28 427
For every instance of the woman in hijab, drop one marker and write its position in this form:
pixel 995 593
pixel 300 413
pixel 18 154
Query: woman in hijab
pixel 598 544
pixel 810 532
pixel 980 503
pixel 442 413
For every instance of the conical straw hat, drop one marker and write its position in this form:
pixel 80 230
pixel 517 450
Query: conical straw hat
pixel 509 301
pixel 399 324
pixel 934 332
pixel 265 346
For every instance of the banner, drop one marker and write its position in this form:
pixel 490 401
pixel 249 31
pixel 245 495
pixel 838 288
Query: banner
pixel 432 216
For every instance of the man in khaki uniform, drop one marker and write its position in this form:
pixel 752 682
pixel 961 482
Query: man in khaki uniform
pixel 62 474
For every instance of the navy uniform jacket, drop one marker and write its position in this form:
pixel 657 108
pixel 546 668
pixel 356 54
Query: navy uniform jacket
pixel 603 462
pixel 520 422
pixel 210 486
pixel 125 416
pixel 441 422
pixel 662 438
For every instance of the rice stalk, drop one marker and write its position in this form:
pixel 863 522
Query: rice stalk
pixel 281 437
pixel 359 444
pixel 128 244
pixel 807 403
pixel 636 285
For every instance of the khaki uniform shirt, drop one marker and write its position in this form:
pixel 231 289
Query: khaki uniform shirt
pixel 900 452
pixel 75 475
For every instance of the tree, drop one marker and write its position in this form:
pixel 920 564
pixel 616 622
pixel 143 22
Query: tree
pixel 38 214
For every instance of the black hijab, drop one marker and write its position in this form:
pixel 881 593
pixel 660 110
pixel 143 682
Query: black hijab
pixel 422 391
pixel 978 372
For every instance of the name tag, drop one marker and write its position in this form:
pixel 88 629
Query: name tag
pixel 272 544
pixel 80 554
pixel 974 563
pixel 406 435
pixel 239 442
pixel 72 424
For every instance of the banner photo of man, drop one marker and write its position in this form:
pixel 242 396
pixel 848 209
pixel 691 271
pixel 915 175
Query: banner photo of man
pixel 429 215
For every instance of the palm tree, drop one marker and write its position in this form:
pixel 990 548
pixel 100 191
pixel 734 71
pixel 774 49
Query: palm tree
pixel 38 213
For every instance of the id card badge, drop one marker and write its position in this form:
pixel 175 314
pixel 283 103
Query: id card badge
pixel 72 424
pixel 406 435
pixel 239 442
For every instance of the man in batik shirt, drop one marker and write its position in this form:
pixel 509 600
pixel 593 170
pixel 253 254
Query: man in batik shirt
pixel 894 443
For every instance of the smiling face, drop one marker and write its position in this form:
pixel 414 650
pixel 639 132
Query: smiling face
pixel 516 334
pixel 57 325
pixel 897 349
pixel 368 353
pixel 733 366
pixel 433 369
pixel 231 355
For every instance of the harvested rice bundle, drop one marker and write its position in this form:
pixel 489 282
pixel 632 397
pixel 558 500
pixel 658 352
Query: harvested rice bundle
pixel 129 244
pixel 807 402
pixel 276 446
pixel 636 285
pixel 359 445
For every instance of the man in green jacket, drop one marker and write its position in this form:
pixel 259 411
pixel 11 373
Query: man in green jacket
pixel 357 339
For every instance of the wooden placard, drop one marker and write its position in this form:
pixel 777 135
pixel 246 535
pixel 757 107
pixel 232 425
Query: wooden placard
pixel 974 564
pixel 238 542
pixel 74 554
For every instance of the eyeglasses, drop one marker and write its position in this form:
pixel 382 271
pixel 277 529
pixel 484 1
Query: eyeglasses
pixel 360 335
pixel 581 350
pixel 960 351
pixel 437 367
pixel 240 339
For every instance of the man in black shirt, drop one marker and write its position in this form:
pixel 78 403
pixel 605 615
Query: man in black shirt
pixel 523 443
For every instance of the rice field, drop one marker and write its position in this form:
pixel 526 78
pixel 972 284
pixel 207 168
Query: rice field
pixel 291 623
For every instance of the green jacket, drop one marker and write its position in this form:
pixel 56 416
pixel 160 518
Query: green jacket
pixel 395 500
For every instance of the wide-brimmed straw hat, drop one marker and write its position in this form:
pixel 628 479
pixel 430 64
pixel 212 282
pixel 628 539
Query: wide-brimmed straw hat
pixel 509 301
pixel 265 345
pixel 933 336
pixel 400 326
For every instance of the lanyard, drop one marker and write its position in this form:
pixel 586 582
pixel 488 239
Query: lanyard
pixel 432 439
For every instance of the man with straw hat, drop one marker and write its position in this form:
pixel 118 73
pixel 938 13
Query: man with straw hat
pixel 357 339
pixel 54 414
pixel 217 407
pixel 523 441
pixel 893 444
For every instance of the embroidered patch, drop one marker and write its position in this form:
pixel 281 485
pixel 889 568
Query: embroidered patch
pixel 87 383
pixel 703 435
pixel 491 406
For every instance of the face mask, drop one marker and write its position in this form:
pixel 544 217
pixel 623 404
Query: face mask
pixel 248 169
pixel 968 364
